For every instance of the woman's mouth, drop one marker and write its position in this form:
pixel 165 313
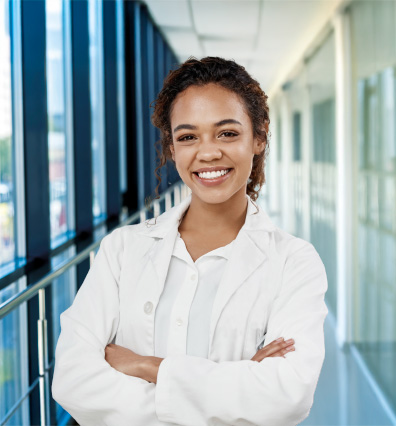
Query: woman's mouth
pixel 213 178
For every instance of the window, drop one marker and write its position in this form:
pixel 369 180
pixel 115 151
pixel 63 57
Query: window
pixel 297 136
pixel 323 171
pixel 7 239
pixel 121 92
pixel 97 109
pixel 56 118
pixel 374 70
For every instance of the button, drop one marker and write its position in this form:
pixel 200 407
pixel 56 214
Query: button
pixel 193 277
pixel 148 307
pixel 179 321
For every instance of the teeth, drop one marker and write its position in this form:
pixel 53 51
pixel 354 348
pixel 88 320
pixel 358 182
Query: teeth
pixel 212 175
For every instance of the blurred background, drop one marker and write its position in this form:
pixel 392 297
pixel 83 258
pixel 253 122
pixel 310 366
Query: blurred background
pixel 77 159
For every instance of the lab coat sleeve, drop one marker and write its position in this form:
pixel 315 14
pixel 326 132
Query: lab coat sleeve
pixel 84 383
pixel 274 392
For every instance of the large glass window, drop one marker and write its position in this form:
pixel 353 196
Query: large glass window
pixel 7 239
pixel 97 109
pixel 56 117
pixel 321 83
pixel 374 75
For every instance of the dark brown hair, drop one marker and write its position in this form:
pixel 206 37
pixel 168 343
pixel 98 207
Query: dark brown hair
pixel 230 75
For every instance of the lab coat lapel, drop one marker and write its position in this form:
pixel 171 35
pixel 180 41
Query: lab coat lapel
pixel 164 229
pixel 160 257
pixel 245 258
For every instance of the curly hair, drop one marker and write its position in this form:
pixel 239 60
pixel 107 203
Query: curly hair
pixel 230 75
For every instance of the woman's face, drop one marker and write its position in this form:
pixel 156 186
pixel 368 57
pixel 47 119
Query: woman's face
pixel 212 130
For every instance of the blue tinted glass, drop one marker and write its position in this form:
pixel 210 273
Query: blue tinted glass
pixel 56 117
pixel 7 240
pixel 13 359
pixel 97 105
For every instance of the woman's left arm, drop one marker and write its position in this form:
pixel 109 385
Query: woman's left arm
pixel 276 391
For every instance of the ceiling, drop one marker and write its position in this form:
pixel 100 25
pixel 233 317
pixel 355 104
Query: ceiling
pixel 268 37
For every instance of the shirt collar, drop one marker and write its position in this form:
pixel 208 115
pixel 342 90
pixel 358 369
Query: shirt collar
pixel 180 250
pixel 256 219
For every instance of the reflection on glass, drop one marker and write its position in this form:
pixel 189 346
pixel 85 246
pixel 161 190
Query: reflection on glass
pixel 56 117
pixel 14 361
pixel 63 291
pixel 97 111
pixel 373 52
pixel 121 92
pixel 321 82
pixel 377 225
pixel 7 241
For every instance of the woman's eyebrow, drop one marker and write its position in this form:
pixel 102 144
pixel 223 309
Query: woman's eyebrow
pixel 219 123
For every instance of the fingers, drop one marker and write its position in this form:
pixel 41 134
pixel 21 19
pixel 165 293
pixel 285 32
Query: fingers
pixel 274 349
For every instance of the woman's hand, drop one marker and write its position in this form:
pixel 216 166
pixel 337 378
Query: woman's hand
pixel 132 364
pixel 275 348
pixel 124 360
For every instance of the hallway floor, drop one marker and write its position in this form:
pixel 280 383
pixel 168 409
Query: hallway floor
pixel 344 396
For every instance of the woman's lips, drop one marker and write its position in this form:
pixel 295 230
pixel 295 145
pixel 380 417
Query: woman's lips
pixel 215 181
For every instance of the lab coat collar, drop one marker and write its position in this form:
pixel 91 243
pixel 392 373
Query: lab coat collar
pixel 250 249
pixel 256 219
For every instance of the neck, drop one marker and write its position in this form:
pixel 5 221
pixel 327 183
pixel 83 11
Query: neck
pixel 202 217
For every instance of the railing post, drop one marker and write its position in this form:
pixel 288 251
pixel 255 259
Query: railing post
pixel 168 201
pixel 157 208
pixel 91 258
pixel 177 197
pixel 43 360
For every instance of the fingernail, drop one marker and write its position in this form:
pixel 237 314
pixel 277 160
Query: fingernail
pixel 279 340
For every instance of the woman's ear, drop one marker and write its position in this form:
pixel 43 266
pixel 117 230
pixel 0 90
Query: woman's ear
pixel 172 150
pixel 259 145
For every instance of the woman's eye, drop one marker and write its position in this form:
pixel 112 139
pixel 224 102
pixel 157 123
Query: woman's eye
pixel 186 138
pixel 229 134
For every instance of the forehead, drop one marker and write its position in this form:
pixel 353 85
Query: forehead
pixel 210 102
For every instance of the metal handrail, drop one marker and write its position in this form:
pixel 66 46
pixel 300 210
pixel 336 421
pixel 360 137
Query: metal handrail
pixel 31 290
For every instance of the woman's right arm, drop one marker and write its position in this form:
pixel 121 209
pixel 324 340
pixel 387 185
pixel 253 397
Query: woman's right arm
pixel 84 384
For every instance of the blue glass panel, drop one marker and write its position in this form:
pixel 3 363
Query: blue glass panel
pixel 7 240
pixel 13 358
pixel 56 117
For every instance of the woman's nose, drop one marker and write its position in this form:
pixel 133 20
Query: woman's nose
pixel 208 150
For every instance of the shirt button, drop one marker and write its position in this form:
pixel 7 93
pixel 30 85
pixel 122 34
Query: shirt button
pixel 193 277
pixel 148 307
pixel 179 321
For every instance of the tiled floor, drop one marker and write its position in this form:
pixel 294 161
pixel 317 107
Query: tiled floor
pixel 344 396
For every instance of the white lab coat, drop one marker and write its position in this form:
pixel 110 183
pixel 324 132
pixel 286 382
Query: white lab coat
pixel 273 286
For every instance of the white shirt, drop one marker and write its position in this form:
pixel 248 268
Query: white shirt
pixel 182 317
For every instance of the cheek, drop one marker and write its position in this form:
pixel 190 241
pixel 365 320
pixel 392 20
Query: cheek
pixel 243 156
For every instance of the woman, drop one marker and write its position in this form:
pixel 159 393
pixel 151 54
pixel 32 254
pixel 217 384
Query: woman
pixel 210 314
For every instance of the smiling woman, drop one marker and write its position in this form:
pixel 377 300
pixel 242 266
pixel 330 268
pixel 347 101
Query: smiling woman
pixel 182 320
pixel 218 89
